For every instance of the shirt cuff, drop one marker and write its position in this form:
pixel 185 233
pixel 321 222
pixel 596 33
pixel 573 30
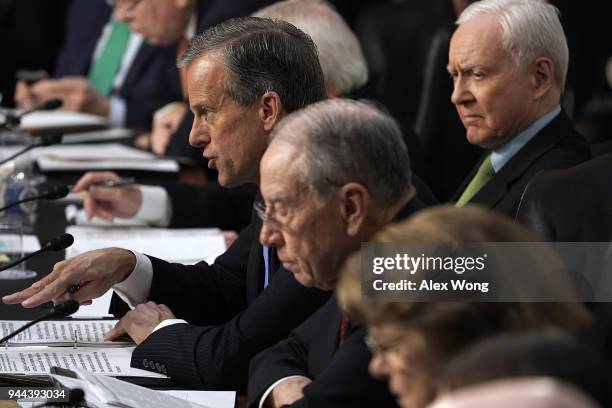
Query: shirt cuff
pixel 136 287
pixel 269 390
pixel 156 207
pixel 168 322
pixel 118 111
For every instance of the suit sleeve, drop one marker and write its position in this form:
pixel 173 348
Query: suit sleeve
pixel 217 357
pixel 203 293
pixel 211 206
pixel 344 382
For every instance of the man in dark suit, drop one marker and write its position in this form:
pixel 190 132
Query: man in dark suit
pixel 144 80
pixel 169 22
pixel 507 87
pixel 571 205
pixel 244 75
pixel 324 192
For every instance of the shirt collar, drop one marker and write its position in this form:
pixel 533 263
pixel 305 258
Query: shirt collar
pixel 501 156
pixel 192 26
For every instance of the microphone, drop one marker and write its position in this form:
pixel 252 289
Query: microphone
pixel 12 121
pixel 56 244
pixel 55 192
pixel 44 141
pixel 59 311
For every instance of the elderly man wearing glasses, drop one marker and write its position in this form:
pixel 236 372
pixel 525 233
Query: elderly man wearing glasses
pixel 335 172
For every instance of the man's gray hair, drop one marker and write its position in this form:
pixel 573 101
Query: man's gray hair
pixel 342 140
pixel 530 28
pixel 340 54
pixel 263 55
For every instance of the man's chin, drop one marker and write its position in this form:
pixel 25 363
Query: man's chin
pixel 301 278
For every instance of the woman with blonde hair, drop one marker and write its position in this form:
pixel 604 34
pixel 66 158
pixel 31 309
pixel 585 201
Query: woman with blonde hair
pixel 411 340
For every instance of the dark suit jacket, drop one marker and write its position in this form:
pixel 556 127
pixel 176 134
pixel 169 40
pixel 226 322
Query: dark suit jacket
pixel 571 205
pixel 557 146
pixel 152 80
pixel 340 374
pixel 211 206
pixel 237 318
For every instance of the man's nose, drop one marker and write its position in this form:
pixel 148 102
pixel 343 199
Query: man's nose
pixel 198 137
pixel 461 93
pixel 270 236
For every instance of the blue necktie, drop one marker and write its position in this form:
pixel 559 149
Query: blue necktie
pixel 266 256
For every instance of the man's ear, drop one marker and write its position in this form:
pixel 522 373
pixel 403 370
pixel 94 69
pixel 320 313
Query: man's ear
pixel 354 205
pixel 543 76
pixel 271 110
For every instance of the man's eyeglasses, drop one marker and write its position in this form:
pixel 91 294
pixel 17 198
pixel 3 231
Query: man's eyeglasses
pixel 262 212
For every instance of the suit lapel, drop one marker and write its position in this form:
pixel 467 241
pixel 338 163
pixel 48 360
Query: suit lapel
pixel 140 63
pixel 495 190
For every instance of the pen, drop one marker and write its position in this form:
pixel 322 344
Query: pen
pixel 110 183
pixel 116 183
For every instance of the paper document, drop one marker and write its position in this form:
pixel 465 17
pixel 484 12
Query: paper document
pixel 62 119
pixel 98 136
pixel 99 156
pixel 187 246
pixel 103 391
pixel 61 333
pixel 76 216
pixel 99 307
pixel 216 399
pixel 113 361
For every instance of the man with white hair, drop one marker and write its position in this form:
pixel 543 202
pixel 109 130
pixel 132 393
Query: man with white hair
pixel 508 60
pixel 334 173
pixel 340 55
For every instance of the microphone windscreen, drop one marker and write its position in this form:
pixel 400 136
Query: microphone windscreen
pixel 65 308
pixel 59 243
pixel 75 396
pixel 56 192
pixel 51 104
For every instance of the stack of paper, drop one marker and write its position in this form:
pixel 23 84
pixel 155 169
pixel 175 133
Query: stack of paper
pixel 62 120
pixel 100 156
pixel 70 344
pixel 103 391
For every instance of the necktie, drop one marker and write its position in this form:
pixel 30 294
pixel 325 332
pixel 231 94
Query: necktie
pixel 266 256
pixel 105 67
pixel 483 175
pixel 344 321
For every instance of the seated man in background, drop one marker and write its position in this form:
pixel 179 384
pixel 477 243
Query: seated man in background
pixel 243 76
pixel 106 70
pixel 344 69
pixel 325 191
pixel 508 60
pixel 411 341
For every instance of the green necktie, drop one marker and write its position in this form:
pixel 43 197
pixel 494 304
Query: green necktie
pixel 105 67
pixel 483 175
